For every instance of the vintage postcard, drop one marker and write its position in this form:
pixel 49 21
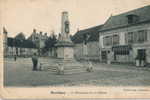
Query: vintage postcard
pixel 74 49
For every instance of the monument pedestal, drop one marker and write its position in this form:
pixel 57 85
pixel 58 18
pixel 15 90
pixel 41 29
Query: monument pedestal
pixel 65 58
pixel 65 50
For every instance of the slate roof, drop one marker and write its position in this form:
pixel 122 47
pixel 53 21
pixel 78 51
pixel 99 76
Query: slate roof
pixel 93 32
pixel 121 20
pixel 18 43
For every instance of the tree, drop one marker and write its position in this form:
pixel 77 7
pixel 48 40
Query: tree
pixel 20 36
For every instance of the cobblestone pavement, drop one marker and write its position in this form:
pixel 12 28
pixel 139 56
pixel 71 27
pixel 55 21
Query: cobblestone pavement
pixel 20 73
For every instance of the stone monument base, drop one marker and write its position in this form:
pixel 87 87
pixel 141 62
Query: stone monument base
pixel 65 62
pixel 70 66
pixel 65 50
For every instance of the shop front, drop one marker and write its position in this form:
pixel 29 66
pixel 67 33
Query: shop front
pixel 122 54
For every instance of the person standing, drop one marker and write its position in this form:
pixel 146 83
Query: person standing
pixel 34 61
pixel 15 58
pixel 109 57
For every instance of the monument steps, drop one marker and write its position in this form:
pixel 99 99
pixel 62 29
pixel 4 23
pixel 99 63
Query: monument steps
pixel 66 66
pixel 66 72
pixel 71 71
pixel 69 68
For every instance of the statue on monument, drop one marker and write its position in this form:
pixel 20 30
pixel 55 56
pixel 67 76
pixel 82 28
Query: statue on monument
pixel 67 27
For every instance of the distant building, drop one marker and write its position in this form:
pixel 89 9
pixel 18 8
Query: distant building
pixel 126 37
pixel 18 46
pixel 87 43
pixel 38 39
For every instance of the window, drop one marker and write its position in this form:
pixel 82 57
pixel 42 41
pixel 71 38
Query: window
pixel 104 55
pixel 132 18
pixel 141 36
pixel 136 37
pixel 130 37
pixel 115 39
pixel 86 38
pixel 121 50
pixel 36 38
pixel 111 40
pixel 107 40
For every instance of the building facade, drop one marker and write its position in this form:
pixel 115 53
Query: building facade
pixel 124 38
pixel 87 43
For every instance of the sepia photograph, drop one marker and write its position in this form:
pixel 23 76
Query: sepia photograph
pixel 75 43
pixel 113 53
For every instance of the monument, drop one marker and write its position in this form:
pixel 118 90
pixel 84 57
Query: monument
pixel 64 45
pixel 66 64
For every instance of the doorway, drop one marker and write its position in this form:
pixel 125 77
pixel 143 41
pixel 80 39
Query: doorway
pixel 104 56
pixel 141 54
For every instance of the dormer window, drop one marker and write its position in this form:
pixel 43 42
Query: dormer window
pixel 132 18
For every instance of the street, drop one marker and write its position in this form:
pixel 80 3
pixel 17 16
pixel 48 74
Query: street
pixel 20 73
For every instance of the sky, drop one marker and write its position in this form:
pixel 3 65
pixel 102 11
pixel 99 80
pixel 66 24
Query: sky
pixel 45 15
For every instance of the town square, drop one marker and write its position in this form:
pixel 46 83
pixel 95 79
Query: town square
pixel 115 52
pixel 20 73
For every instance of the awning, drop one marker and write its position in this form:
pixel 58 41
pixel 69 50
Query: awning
pixel 127 47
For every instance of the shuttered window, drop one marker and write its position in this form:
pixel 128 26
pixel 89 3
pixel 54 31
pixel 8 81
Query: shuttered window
pixel 115 39
pixel 141 36
pixel 136 37
pixel 130 37
pixel 107 40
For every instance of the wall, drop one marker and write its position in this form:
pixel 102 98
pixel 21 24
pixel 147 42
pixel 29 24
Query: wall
pixel 92 50
pixel 60 52
pixel 78 50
